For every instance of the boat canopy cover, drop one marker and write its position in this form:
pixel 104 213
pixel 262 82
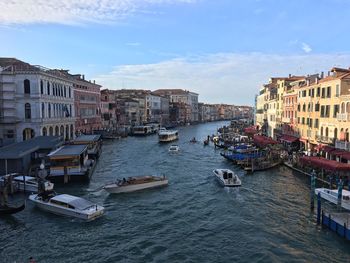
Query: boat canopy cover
pixel 263 141
pixel 74 201
pixel 320 162
pixel 341 153
pixel 327 148
pixel 250 130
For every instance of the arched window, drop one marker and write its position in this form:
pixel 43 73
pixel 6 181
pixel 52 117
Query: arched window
pixel 70 110
pixel 326 131
pixel 49 110
pixel 27 111
pixel 57 131
pixel 48 88
pixel 26 84
pixel 28 134
pixel 71 131
pixel 69 92
pixel 65 91
pixel 43 110
pixel 41 86
pixel 335 133
pixel 321 131
pixel 51 131
pixel 44 131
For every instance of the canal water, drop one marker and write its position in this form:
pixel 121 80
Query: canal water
pixel 194 219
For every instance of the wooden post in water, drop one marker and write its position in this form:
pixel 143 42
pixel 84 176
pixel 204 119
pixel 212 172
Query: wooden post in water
pixel 65 175
pixel 340 190
pixel 318 208
pixel 312 189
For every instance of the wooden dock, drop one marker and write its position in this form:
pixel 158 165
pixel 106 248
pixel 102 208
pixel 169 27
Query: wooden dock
pixel 337 222
pixel 289 165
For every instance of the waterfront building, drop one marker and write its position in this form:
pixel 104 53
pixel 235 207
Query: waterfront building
pixel 108 110
pixel 184 99
pixel 34 101
pixel 157 109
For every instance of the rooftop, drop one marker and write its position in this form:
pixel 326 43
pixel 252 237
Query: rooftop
pixel 18 150
pixel 68 150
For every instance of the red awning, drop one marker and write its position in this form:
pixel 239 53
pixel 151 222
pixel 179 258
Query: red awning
pixel 288 138
pixel 263 141
pixel 251 130
pixel 320 162
pixel 327 149
pixel 341 153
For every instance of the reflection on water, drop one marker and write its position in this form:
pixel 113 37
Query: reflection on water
pixel 194 219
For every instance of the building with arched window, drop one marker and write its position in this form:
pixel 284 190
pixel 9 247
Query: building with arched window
pixel 30 100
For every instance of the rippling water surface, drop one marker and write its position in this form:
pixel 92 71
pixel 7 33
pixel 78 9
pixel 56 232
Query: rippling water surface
pixel 192 220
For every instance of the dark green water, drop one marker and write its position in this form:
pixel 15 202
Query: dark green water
pixel 192 220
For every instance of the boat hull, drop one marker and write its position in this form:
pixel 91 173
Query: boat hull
pixel 115 189
pixel 227 183
pixel 332 198
pixel 66 211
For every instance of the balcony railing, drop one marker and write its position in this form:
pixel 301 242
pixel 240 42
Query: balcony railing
pixel 343 116
pixel 286 120
pixel 342 145
pixel 324 139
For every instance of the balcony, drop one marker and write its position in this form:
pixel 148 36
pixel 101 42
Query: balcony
pixel 325 139
pixel 343 116
pixel 286 120
pixel 342 145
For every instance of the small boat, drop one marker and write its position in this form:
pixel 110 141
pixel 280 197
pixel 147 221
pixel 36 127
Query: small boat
pixel 174 148
pixel 227 178
pixel 132 184
pixel 206 142
pixel 9 210
pixel 332 196
pixel 67 205
pixel 30 184
pixel 261 165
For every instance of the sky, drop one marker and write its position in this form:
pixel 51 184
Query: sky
pixel 222 49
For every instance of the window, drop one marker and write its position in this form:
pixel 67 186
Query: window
pixel 298 120
pixel 27 111
pixel 317 107
pixel 318 92
pixel 328 92
pixel 49 108
pixel 335 110
pixel 69 92
pixel 323 95
pixel 337 90
pixel 328 111
pixel 316 123
pixel 43 110
pixel 41 87
pixel 304 107
pixel 48 88
pixel 322 111
pixel 299 107
pixel 303 121
pixel 65 91
pixel 310 123
pixel 26 84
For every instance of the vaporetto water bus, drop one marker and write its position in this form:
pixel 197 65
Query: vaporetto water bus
pixel 168 135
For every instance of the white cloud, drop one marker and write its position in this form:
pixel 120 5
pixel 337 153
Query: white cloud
pixel 133 44
pixel 224 77
pixel 72 11
pixel 306 48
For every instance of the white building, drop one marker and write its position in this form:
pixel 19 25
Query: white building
pixel 34 101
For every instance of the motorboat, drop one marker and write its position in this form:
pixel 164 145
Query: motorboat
pixel 67 205
pixel 227 178
pixel 133 184
pixel 168 135
pixel 30 184
pixel 174 148
pixel 332 196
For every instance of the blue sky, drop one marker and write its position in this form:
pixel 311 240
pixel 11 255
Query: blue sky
pixel 223 49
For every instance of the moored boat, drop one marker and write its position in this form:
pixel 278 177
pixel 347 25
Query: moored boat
pixel 168 135
pixel 30 184
pixel 133 184
pixel 67 205
pixel 9 209
pixel 332 196
pixel 227 178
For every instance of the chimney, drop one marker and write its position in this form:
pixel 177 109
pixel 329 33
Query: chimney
pixel 83 77
pixel 290 75
pixel 94 82
pixel 322 75
pixel 307 82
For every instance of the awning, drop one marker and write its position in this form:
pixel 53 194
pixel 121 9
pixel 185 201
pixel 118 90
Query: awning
pixel 289 139
pixel 320 162
pixel 263 141
pixel 341 153
pixel 327 149
pixel 251 130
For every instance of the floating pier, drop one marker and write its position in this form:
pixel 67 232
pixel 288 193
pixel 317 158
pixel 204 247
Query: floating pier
pixel 337 222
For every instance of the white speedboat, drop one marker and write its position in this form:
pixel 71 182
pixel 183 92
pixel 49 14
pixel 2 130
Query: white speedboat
pixel 332 196
pixel 133 184
pixel 67 205
pixel 227 178
pixel 30 184
pixel 174 148
pixel 168 135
